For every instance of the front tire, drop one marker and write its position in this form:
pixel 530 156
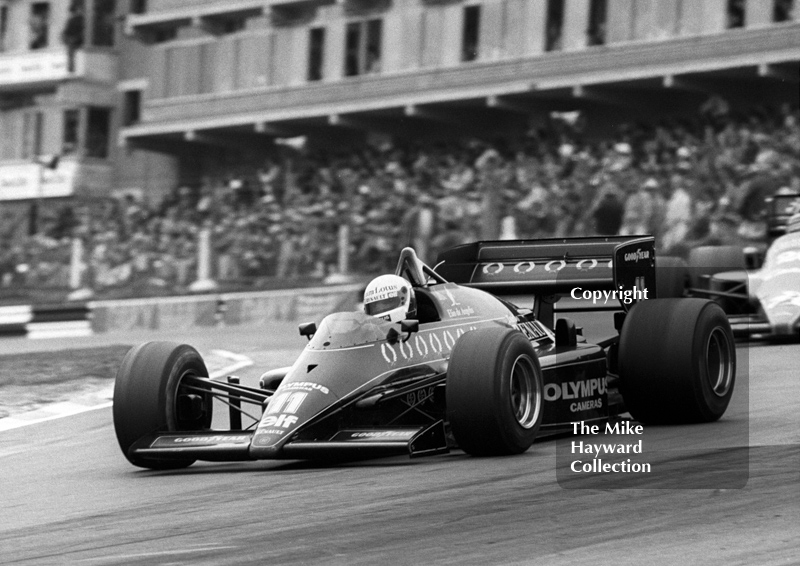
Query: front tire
pixel 148 397
pixel 677 361
pixel 494 392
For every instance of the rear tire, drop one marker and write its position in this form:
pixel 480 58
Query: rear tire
pixel 708 260
pixel 672 277
pixel 494 392
pixel 146 393
pixel 677 361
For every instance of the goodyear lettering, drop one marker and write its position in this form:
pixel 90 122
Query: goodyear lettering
pixel 210 439
pixel 637 255
pixel 383 434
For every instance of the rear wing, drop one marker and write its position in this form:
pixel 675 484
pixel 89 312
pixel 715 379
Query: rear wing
pixel 554 266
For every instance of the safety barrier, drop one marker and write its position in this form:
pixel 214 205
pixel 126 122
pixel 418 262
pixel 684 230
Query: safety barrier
pixel 45 321
pixel 221 309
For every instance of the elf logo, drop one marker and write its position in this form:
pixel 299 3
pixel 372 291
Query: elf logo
pixel 283 420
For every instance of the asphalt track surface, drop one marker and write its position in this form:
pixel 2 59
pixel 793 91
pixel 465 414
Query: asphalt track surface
pixel 69 497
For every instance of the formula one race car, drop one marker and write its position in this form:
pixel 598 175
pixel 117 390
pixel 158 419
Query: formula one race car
pixel 760 303
pixel 465 368
pixel 759 292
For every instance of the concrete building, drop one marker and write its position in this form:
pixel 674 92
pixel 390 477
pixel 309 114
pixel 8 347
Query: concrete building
pixel 218 75
pixel 58 77
pixel 208 80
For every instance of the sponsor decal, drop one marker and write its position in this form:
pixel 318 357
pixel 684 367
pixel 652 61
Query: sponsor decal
pixel 788 257
pixel 534 330
pixel 420 396
pixel 286 402
pixel 552 266
pixel 201 440
pixel 634 257
pixel 380 293
pixel 446 295
pixel 306 386
pixel 423 344
pixel 379 434
pixel 575 390
pixel 524 267
pixel 464 311
pixel 784 298
pixel 283 420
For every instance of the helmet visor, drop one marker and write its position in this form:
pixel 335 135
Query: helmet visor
pixel 382 306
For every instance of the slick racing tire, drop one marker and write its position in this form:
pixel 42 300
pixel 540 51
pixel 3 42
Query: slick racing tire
pixel 677 361
pixel 672 277
pixel 708 260
pixel 494 392
pixel 147 392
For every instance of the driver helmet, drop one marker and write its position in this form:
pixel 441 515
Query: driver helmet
pixel 793 225
pixel 391 298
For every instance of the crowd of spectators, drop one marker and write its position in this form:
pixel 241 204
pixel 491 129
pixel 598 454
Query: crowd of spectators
pixel 689 181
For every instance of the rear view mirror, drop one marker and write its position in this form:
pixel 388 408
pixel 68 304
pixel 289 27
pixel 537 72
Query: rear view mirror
pixel 409 325
pixel 308 329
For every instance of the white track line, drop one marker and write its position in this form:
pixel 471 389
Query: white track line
pixel 69 408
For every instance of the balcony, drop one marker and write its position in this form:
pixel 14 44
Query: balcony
pixel 40 69
pixel 755 52
pixel 178 13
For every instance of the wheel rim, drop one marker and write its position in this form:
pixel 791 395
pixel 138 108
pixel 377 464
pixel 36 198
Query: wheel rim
pixel 719 362
pixel 525 392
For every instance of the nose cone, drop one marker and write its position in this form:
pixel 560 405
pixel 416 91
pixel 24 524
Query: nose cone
pixel 783 312
pixel 293 404
pixel 780 298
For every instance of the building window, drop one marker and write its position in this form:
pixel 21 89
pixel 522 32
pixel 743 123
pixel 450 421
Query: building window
pixel 3 26
pixel 39 25
pixel 32 129
pixel 98 129
pixel 69 134
pixel 316 53
pixel 132 107
pixel 782 11
pixel 597 22
pixel 137 6
pixel 470 36
pixel 555 24
pixel 736 11
pixel 103 23
pixel 165 34
pixel 363 42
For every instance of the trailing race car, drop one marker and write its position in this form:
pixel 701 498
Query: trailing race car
pixel 764 302
pixel 759 292
pixel 461 367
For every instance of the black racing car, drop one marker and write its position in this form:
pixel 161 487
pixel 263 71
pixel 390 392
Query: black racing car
pixel 471 370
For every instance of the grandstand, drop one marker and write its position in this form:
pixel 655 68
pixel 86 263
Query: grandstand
pixel 218 76
pixel 297 139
